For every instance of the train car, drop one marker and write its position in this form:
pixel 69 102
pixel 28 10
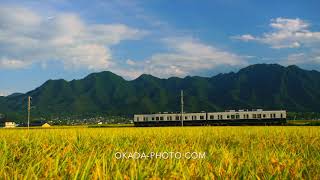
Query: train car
pixel 169 119
pixel 246 117
pixel 230 117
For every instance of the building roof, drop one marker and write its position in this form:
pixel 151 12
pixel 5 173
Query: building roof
pixel 46 125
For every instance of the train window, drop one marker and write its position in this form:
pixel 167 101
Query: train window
pixel 281 115
pixel 157 118
pixel 152 118
pixel 274 115
pixel 137 118
pixel 177 117
pixel 264 115
pixel 228 117
pixel 259 115
pixel 254 116
pixel 186 118
pixel 232 116
pixel 237 116
pixel 201 117
pixel 211 117
pixel 161 118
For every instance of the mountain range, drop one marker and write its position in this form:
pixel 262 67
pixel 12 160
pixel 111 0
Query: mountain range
pixel 266 86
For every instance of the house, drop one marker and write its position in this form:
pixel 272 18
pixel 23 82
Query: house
pixel 38 123
pixel 9 124
pixel 46 125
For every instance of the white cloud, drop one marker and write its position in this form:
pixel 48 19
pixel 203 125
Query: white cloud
pixel 302 58
pixel 26 37
pixel 12 63
pixel 130 62
pixel 285 24
pixel 297 58
pixel 245 37
pixel 127 73
pixel 3 94
pixel 187 56
pixel 286 33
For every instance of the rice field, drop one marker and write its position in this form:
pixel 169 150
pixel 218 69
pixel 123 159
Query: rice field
pixel 117 153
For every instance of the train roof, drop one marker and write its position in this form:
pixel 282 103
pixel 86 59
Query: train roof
pixel 240 110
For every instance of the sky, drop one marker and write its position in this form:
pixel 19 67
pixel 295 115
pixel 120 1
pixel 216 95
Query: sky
pixel 69 39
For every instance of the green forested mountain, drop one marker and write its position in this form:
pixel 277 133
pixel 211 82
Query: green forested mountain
pixel 267 86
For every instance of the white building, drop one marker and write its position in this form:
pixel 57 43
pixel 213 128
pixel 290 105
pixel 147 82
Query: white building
pixel 10 125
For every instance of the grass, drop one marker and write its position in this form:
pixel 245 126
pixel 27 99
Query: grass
pixel 231 152
pixel 303 122
pixel 110 125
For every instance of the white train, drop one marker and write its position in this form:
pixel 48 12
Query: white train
pixel 230 117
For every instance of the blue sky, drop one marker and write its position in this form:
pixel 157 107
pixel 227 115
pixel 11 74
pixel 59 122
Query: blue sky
pixel 41 40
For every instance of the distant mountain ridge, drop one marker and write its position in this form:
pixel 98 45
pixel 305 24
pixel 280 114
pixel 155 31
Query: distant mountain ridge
pixel 267 86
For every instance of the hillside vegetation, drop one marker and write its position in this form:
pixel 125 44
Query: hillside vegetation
pixel 267 86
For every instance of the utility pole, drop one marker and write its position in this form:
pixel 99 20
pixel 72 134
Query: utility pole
pixel 181 107
pixel 29 108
